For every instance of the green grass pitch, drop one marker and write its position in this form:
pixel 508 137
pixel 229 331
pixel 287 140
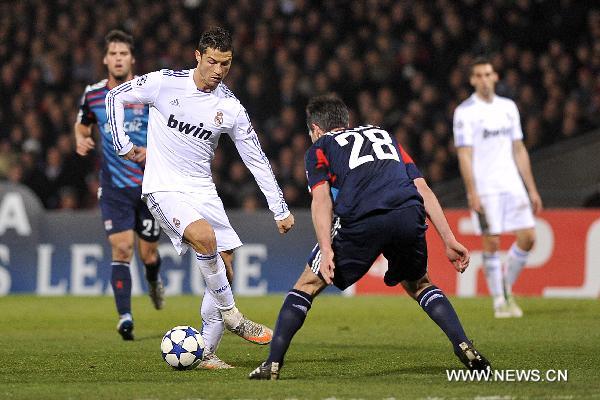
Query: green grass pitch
pixel 349 348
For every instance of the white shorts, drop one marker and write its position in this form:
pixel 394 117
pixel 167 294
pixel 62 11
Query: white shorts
pixel 176 210
pixel 503 213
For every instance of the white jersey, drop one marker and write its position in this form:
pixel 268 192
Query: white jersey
pixel 184 127
pixel 490 129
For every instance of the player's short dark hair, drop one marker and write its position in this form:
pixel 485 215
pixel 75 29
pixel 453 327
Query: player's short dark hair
pixel 480 60
pixel 118 36
pixel 327 112
pixel 216 38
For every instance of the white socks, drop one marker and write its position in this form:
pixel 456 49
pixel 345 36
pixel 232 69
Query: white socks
pixel 493 275
pixel 497 280
pixel 515 262
pixel 218 306
pixel 212 322
pixel 232 318
pixel 215 278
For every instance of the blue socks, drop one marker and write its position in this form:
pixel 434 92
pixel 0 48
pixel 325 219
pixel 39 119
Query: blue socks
pixel 439 309
pixel 121 284
pixel 291 317
pixel 297 304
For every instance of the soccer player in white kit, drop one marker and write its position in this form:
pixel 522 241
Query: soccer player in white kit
pixel 495 168
pixel 189 110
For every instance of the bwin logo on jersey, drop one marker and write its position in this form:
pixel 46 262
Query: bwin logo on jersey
pixel 496 132
pixel 196 131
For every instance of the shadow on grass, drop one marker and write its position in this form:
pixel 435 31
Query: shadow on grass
pixel 148 337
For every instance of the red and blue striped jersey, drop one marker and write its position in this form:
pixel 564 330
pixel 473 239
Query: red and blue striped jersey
pixel 367 171
pixel 115 171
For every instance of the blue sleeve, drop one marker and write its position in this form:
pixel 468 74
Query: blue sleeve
pixel 317 166
pixel 411 169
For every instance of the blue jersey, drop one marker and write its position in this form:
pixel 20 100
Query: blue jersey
pixel 115 171
pixel 367 170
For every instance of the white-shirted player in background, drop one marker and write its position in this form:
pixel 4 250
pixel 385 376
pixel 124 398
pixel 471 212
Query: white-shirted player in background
pixel 189 110
pixel 494 164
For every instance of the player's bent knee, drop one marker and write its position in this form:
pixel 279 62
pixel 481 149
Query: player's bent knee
pixel 310 283
pixel 526 239
pixel 122 251
pixel 121 244
pixel 491 244
pixel 414 288
pixel 201 236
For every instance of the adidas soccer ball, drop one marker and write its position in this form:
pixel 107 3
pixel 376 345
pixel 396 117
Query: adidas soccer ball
pixel 182 347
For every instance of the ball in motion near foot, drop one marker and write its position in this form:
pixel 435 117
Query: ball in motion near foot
pixel 182 347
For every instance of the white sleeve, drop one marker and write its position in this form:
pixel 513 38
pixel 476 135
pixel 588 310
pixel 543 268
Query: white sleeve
pixel 463 133
pixel 517 132
pixel 141 90
pixel 247 144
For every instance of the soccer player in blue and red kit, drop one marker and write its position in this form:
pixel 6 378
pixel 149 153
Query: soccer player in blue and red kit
pixel 123 211
pixel 368 198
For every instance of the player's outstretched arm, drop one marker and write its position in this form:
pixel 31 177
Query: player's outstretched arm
pixel 322 215
pixel 248 146
pixel 456 252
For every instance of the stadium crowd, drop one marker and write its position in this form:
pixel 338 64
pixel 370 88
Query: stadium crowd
pixel 402 65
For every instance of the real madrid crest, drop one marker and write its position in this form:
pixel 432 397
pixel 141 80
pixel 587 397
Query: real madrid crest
pixel 176 222
pixel 219 118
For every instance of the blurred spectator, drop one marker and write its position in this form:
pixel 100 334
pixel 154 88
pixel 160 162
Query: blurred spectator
pixel 395 63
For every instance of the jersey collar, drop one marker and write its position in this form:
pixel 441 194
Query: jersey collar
pixel 191 85
pixel 479 100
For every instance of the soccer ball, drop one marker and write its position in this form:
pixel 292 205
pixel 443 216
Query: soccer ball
pixel 182 347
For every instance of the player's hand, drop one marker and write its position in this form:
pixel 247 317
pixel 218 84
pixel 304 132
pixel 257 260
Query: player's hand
pixel 474 202
pixel 141 156
pixel 458 255
pixel 132 154
pixel 536 202
pixel 285 224
pixel 326 266
pixel 83 144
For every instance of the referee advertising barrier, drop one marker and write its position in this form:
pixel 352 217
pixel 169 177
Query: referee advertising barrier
pixel 51 253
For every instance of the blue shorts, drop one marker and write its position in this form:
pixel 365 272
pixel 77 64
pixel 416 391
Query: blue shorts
pixel 123 209
pixel 397 234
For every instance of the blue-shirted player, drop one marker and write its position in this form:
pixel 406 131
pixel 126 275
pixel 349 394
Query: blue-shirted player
pixel 364 182
pixel 123 211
